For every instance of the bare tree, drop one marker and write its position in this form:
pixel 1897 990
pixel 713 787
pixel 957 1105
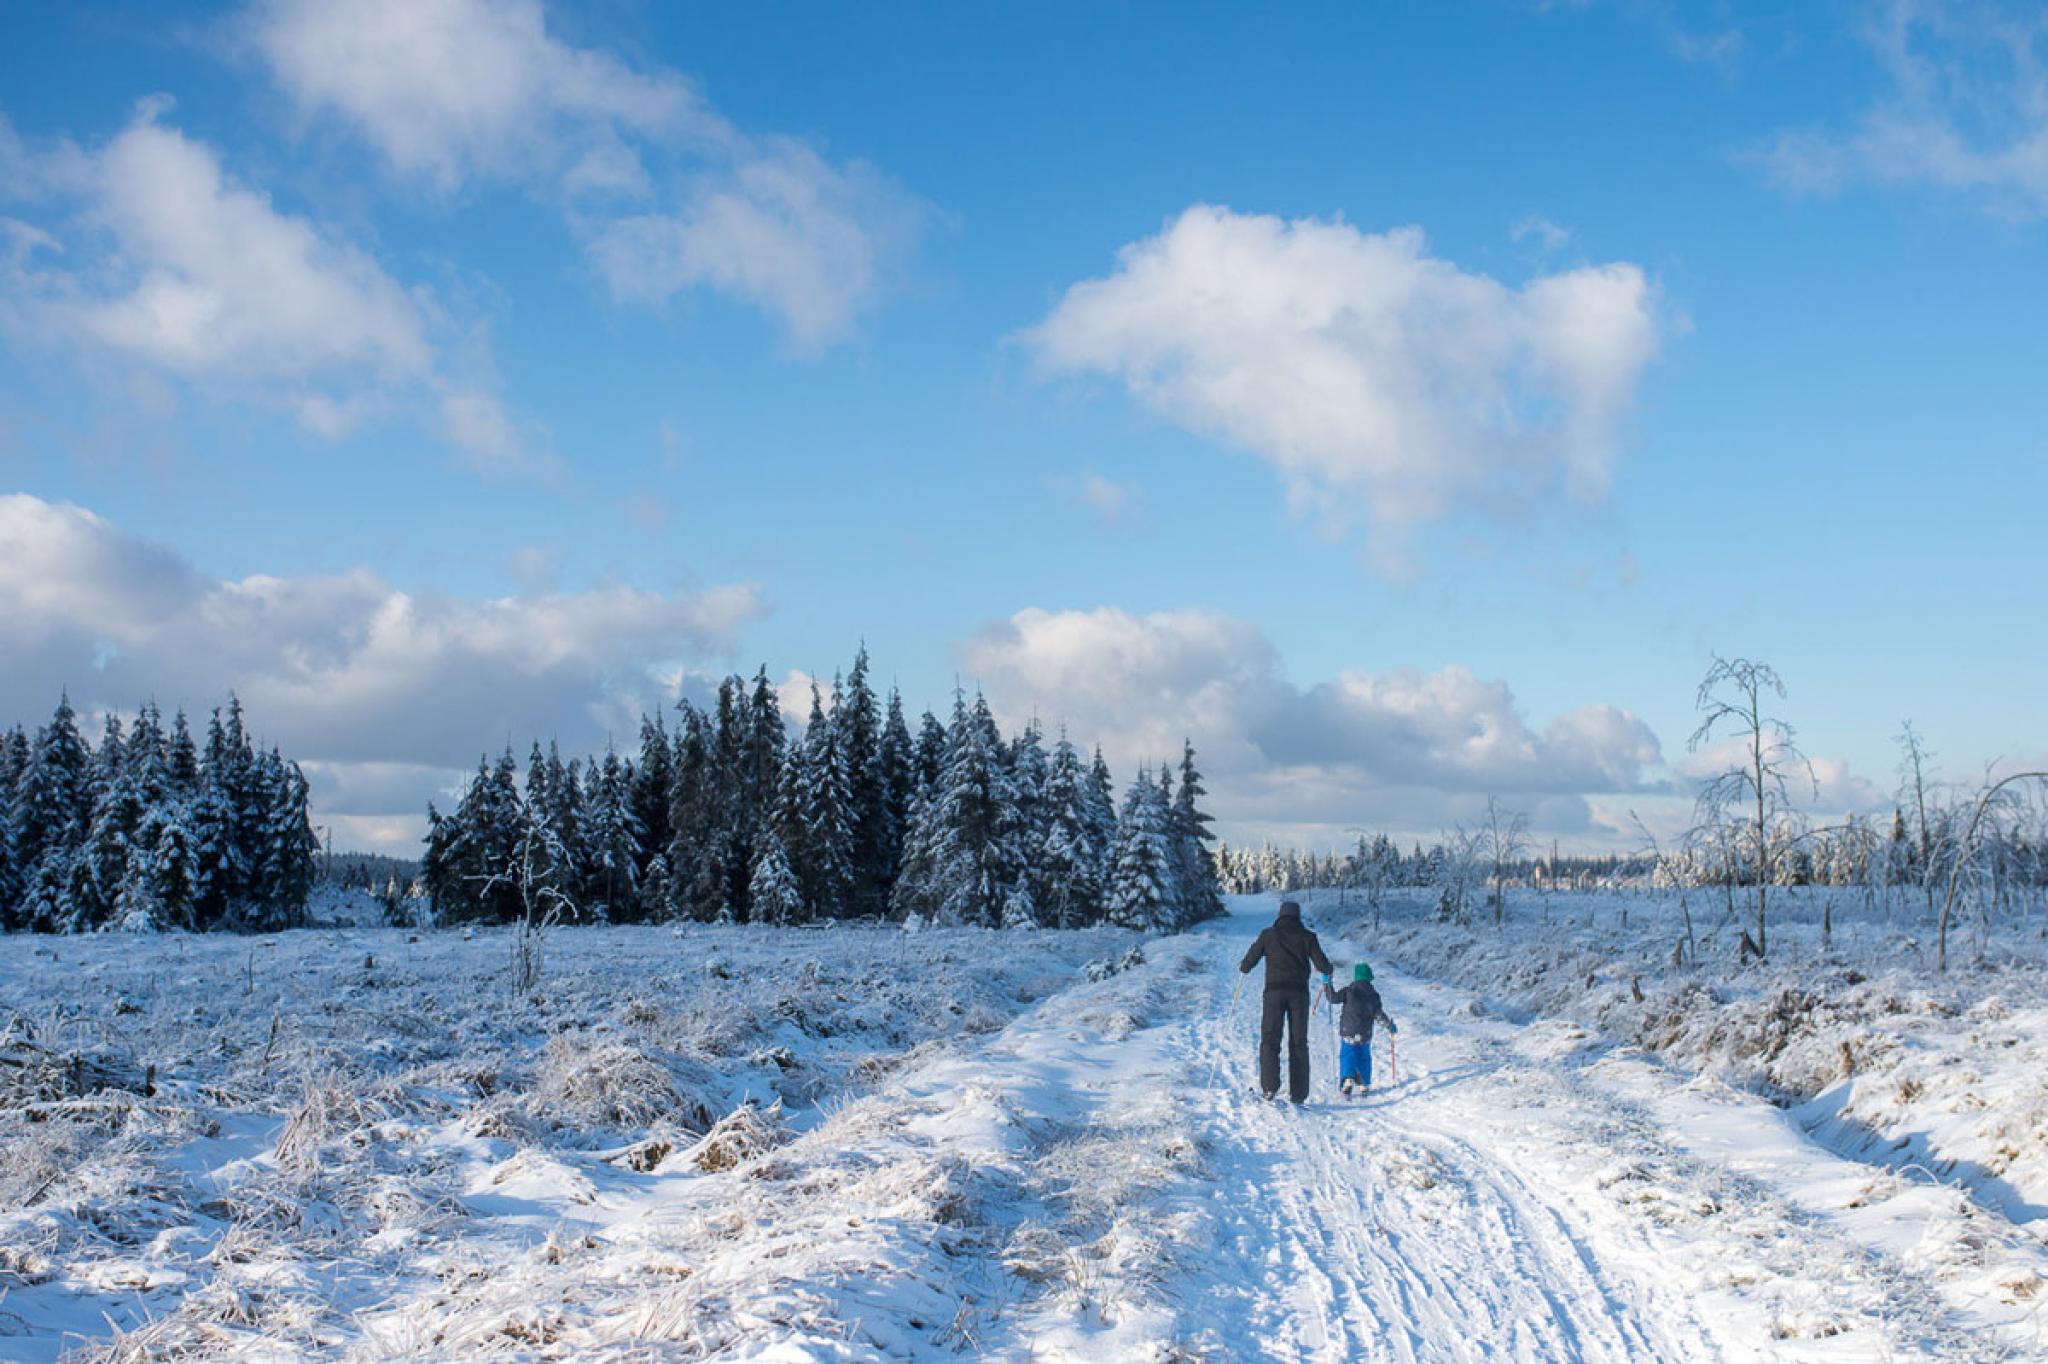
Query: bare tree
pixel 543 903
pixel 1461 861
pixel 1914 760
pixel 1865 847
pixel 1993 797
pixel 1752 788
pixel 1503 837
pixel 1665 870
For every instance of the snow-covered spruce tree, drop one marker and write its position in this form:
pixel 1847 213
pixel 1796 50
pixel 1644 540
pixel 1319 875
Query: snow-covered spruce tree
pixel 738 813
pixel 1142 894
pixel 495 823
pixel 1028 774
pixel 222 817
pixel 929 752
pixel 965 864
pixel 1194 865
pixel 696 865
pixel 857 726
pixel 100 872
pixel 775 896
pixel 896 771
pixel 283 846
pixel 438 880
pixel 1069 864
pixel 182 758
pixel 653 778
pixel 1101 800
pixel 558 806
pixel 173 867
pixel 785 824
pixel 51 814
pixel 611 833
pixel 10 876
pixel 825 869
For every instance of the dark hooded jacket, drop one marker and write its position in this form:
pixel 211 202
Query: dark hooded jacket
pixel 1362 1009
pixel 1288 949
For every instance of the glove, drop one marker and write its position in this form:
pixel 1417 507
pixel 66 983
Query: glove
pixel 1391 1026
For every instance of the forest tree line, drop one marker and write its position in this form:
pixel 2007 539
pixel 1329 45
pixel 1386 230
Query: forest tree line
pixel 147 830
pixel 729 816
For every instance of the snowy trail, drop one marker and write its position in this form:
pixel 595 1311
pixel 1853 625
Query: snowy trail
pixel 1507 1200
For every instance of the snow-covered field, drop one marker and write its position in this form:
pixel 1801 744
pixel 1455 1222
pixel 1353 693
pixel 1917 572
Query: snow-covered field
pixel 360 1147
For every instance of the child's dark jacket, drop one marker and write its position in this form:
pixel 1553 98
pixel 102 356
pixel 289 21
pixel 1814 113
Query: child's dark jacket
pixel 1362 1008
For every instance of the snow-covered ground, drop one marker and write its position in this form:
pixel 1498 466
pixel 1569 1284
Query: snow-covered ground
pixel 981 1151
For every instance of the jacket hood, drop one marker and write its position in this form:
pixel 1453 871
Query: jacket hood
pixel 1289 910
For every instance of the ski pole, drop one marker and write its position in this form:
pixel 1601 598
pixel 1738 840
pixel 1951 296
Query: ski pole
pixel 1393 1061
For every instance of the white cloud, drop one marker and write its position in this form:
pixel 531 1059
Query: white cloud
pixel 453 89
pixel 1408 750
pixel 665 193
pixel 1965 109
pixel 1380 381
pixel 1547 235
pixel 173 265
pixel 1104 497
pixel 344 670
pixel 782 228
pixel 1825 787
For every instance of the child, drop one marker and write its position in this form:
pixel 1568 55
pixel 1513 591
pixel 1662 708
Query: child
pixel 1362 1008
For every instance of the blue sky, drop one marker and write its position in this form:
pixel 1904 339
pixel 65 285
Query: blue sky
pixel 1469 375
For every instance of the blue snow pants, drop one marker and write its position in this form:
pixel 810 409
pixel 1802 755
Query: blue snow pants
pixel 1354 1062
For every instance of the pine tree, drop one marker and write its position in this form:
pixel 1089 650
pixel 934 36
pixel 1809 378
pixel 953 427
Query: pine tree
pixel 1101 803
pixel 213 856
pixel 1141 894
pixel 896 772
pixel 966 861
pixel 438 877
pixel 13 877
pixel 224 833
pixel 1201 891
pixel 149 756
pixel 13 759
pixel 786 827
pixel 773 890
pixel 696 865
pixel 612 843
pixel 53 799
pixel 182 757
pixel 489 824
pixel 101 874
pixel 1069 864
pixel 825 870
pixel 654 777
pixel 738 815
pixel 173 867
pixel 47 908
pixel 929 752
pixel 563 874
pixel 1028 774
pixel 857 724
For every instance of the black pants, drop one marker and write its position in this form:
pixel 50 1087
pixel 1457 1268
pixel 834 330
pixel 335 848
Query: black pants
pixel 1292 1007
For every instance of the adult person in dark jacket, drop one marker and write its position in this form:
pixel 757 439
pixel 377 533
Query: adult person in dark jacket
pixel 1288 948
pixel 1361 1005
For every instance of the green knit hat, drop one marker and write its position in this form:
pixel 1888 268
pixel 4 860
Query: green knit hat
pixel 1361 972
